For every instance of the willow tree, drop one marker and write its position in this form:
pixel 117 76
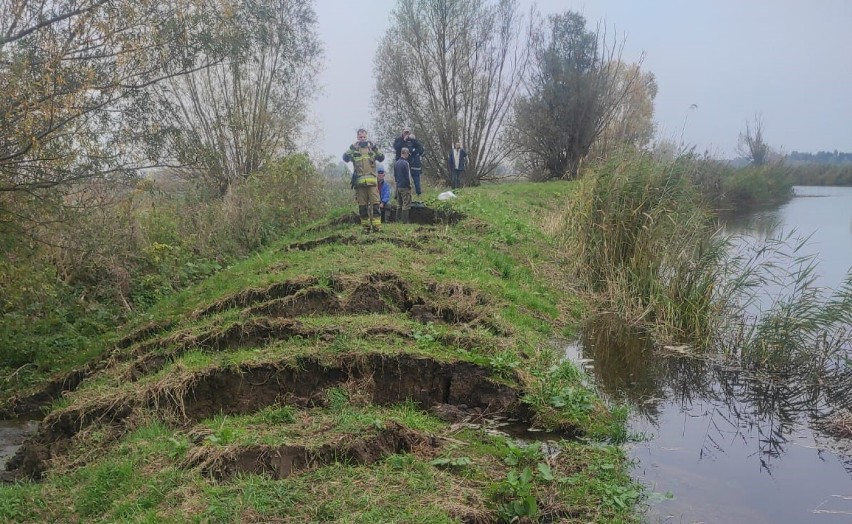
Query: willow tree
pixel 228 120
pixel 76 79
pixel 450 69
pixel 632 123
pixel 751 144
pixel 577 87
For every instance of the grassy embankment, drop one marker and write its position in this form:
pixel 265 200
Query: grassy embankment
pixel 339 377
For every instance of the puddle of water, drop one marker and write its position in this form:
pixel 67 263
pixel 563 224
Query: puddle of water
pixel 12 435
pixel 728 447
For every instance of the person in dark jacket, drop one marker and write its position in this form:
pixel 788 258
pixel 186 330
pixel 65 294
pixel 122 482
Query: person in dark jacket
pixel 456 160
pixel 415 152
pixel 402 177
pixel 384 192
pixel 364 154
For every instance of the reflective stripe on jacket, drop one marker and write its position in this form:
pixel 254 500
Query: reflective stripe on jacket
pixel 364 156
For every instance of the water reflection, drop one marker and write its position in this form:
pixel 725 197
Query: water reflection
pixel 761 225
pixel 629 370
pixel 722 430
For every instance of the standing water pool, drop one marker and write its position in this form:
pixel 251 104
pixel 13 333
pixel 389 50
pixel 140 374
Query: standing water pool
pixel 720 445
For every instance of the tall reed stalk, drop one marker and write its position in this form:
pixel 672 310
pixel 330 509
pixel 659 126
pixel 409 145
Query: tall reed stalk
pixel 637 236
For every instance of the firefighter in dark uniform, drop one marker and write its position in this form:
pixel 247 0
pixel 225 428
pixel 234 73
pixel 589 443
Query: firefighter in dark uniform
pixel 364 154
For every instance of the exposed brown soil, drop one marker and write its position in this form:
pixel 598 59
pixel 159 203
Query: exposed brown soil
pixel 251 387
pixel 417 215
pixel 30 404
pixel 313 244
pixel 352 240
pixel 429 216
pixel 33 403
pixel 283 461
pixel 253 332
pixel 312 301
pixel 381 292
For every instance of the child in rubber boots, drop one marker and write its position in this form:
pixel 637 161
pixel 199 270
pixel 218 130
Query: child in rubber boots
pixel 384 193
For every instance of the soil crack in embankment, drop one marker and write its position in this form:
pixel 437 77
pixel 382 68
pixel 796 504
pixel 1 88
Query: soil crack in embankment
pixel 374 293
pixel 283 461
pixel 388 379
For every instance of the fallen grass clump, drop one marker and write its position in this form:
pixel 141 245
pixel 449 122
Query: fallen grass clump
pixel 840 424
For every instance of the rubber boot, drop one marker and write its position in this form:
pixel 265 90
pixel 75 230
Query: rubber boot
pixel 403 216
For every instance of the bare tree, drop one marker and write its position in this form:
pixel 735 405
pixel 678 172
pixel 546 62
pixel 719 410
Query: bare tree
pixel 76 80
pixel 577 88
pixel 231 118
pixel 751 144
pixel 450 69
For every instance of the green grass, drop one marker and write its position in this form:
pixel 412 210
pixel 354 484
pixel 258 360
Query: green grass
pixel 498 267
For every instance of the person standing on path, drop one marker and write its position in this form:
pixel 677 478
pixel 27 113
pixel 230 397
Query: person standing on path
pixel 384 192
pixel 415 152
pixel 402 177
pixel 457 159
pixel 364 154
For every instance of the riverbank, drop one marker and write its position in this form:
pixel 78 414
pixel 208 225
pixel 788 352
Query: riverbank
pixel 345 377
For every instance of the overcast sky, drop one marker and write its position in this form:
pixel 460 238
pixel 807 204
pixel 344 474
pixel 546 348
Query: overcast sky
pixel 790 60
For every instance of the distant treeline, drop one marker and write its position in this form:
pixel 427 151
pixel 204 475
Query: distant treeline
pixel 820 174
pixel 823 157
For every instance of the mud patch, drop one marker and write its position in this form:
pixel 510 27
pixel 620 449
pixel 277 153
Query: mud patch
pixel 12 436
pixel 283 461
pixel 429 216
pixel 313 244
pixel 250 387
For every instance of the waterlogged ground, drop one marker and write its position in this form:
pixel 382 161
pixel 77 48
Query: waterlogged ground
pixel 722 445
pixel 717 444
pixel 12 436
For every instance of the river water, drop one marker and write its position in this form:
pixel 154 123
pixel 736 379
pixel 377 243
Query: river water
pixel 721 446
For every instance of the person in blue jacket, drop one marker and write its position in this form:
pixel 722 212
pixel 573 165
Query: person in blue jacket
pixel 415 152
pixel 384 192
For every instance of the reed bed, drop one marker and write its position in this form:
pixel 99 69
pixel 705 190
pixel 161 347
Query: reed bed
pixel 638 237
